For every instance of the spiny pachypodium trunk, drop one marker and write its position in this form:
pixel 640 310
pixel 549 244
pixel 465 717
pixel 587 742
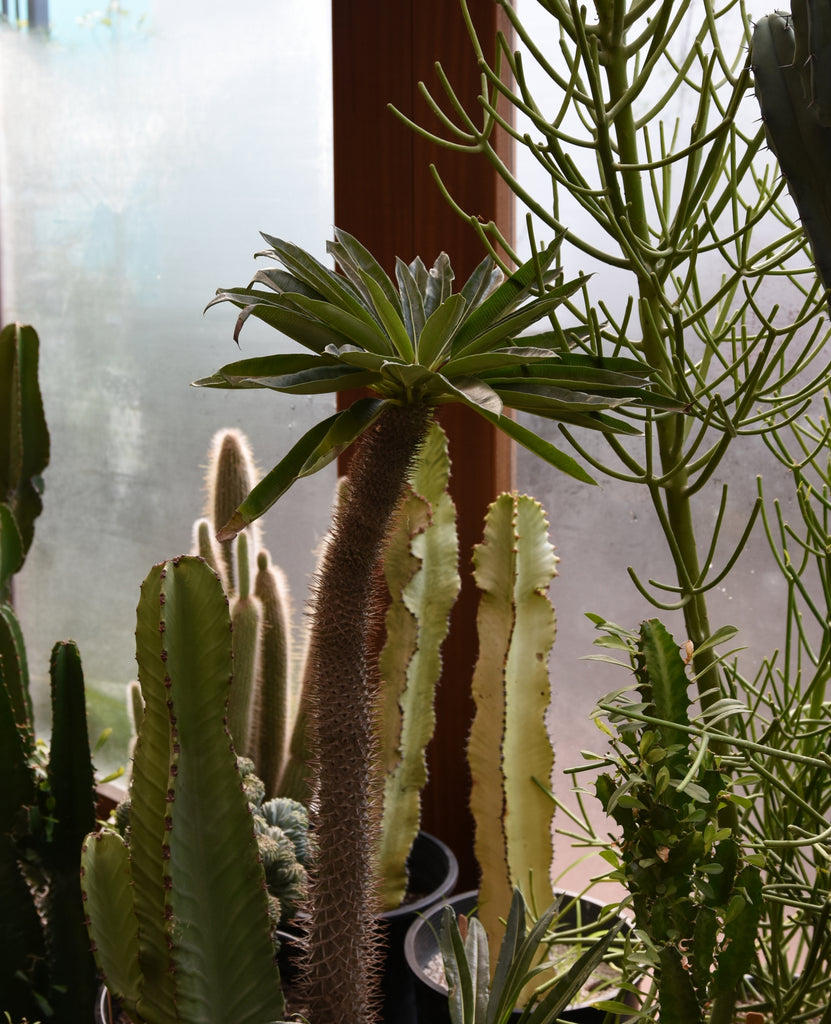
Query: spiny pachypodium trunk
pixel 343 902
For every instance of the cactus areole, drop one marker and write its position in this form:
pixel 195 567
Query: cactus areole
pixel 414 345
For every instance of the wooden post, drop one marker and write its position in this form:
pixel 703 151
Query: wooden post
pixel 386 196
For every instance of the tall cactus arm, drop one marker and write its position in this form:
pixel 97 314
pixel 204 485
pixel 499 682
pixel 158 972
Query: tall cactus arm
pixel 247 626
pixel 509 748
pixel 107 884
pixel 274 707
pixel 423 578
pixel 801 144
pixel 24 437
pixel 231 476
pixel 222 974
pixel 16 675
pixel 72 788
pixel 11 548
pixel 148 794
pixel 21 931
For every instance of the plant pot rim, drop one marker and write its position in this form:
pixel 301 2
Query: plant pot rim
pixel 437 895
pixel 471 896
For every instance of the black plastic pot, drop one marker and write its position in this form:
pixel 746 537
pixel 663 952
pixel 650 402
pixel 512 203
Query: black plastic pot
pixel 433 872
pixel 421 947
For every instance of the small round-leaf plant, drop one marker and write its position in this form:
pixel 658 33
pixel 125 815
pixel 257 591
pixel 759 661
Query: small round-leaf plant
pixel 414 345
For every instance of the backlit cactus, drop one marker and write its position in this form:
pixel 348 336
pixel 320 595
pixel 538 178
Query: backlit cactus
pixel 180 917
pixel 786 66
pixel 509 749
pixel 264 698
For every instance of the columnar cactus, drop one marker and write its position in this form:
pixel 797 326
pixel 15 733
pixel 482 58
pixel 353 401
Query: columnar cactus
pixel 267 674
pixel 420 567
pixel 790 57
pixel 509 750
pixel 24 447
pixel 180 917
pixel 47 800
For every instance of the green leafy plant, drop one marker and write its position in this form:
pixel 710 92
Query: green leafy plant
pixel 414 347
pixel 179 918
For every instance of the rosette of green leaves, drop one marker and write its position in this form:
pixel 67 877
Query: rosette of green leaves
pixel 419 342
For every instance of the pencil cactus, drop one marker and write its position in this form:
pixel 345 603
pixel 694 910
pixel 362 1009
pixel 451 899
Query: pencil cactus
pixel 180 917
pixel 509 749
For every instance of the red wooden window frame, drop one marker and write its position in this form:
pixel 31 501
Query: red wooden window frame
pixel 386 196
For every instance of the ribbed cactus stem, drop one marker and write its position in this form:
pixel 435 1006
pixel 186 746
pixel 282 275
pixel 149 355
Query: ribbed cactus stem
pixel 340 982
pixel 247 620
pixel 231 475
pixel 421 570
pixel 24 445
pixel 271 709
pixel 509 749
pixel 205 545
pixel 72 788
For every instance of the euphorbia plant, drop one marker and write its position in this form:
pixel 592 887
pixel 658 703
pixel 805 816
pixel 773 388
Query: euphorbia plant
pixel 415 347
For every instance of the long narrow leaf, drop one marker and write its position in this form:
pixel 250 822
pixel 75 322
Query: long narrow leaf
pixel 513 324
pixel 506 297
pixel 437 334
pixel 412 301
pixel 316 449
pixel 539 446
pixel 350 252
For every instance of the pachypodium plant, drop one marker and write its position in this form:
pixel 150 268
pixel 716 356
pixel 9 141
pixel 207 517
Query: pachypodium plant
pixel 696 895
pixel 179 918
pixel 415 347
pixel 509 750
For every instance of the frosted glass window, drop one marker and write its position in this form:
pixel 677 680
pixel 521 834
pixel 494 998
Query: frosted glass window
pixel 142 150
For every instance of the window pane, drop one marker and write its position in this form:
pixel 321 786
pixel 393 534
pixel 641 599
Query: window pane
pixel 139 159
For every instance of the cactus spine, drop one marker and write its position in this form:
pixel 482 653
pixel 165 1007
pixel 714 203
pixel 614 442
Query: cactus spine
pixel 509 749
pixel 179 918
pixel 795 126
pixel 420 567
